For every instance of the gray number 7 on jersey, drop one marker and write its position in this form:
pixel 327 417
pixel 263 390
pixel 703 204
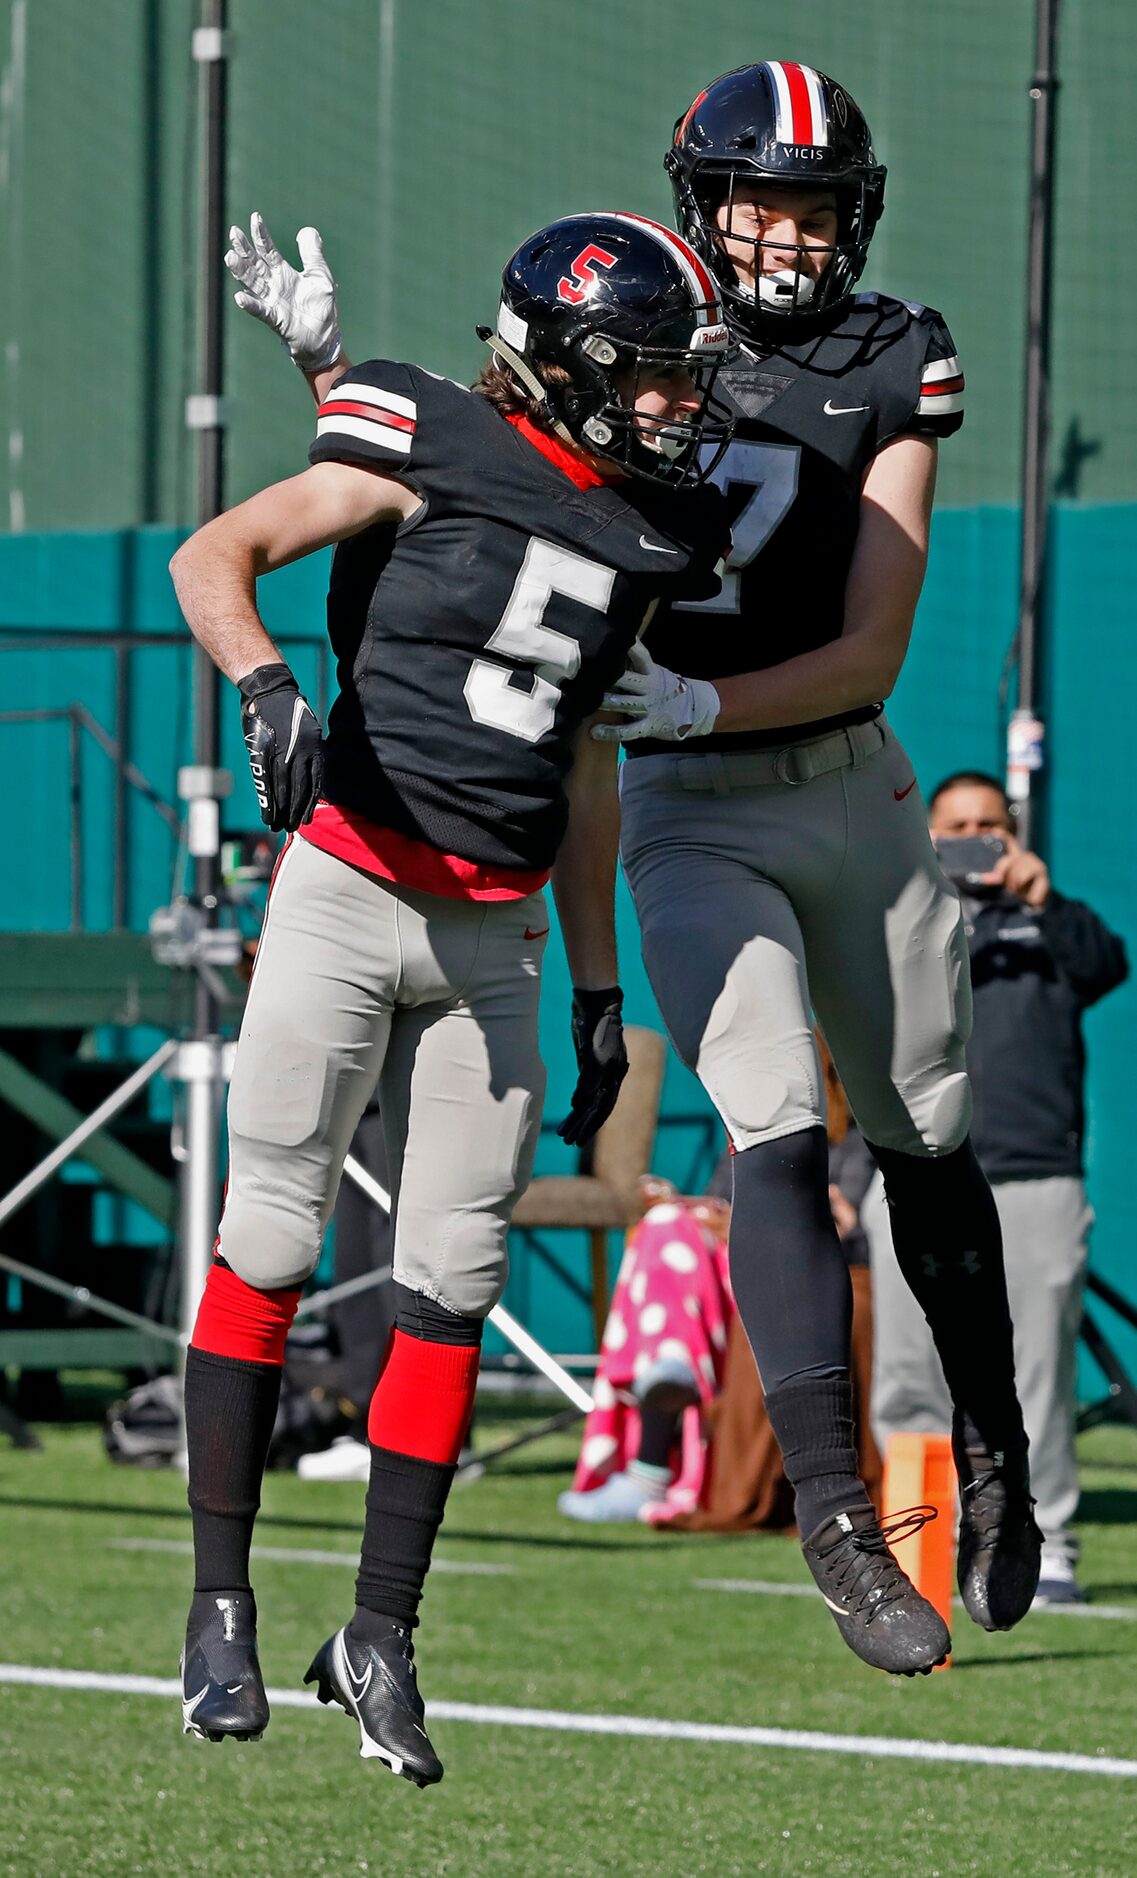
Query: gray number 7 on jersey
pixel 770 472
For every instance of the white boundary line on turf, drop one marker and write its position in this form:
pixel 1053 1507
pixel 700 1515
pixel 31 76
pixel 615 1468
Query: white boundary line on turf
pixel 296 1555
pixel 766 1588
pixel 640 1727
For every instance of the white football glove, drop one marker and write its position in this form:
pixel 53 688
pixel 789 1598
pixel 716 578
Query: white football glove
pixel 661 704
pixel 300 307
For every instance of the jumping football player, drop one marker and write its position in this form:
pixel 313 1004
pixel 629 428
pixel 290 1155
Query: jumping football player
pixel 777 847
pixel 498 552
pixel 782 864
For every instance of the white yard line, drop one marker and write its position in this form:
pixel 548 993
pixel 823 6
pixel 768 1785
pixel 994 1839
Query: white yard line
pixel 295 1555
pixel 640 1727
pixel 766 1588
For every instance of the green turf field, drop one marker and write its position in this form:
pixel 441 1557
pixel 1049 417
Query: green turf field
pixel 583 1621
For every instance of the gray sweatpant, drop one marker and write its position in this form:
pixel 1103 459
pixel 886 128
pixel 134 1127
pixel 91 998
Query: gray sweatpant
pixel 771 886
pixel 1046 1225
pixel 358 980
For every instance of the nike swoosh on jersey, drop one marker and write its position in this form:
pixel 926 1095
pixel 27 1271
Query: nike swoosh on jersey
pixel 898 795
pixel 841 410
pixel 656 547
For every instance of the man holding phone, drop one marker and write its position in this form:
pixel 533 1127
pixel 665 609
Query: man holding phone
pixel 1038 960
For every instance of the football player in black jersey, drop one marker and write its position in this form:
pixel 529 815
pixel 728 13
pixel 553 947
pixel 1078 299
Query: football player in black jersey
pixel 775 840
pixel 498 551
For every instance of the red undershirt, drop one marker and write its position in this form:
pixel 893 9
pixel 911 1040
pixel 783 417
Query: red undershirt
pixel 401 858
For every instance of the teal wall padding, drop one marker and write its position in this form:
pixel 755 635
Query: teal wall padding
pixel 946 709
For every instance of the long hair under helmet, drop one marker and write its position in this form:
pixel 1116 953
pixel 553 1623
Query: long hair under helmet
pixel 604 297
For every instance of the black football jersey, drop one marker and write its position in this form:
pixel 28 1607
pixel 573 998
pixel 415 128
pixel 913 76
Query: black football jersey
pixel 810 419
pixel 473 639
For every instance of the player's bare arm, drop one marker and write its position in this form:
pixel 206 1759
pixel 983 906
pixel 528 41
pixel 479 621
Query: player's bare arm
pixel 860 668
pixel 584 877
pixel 215 575
pixel 883 587
pixel 215 572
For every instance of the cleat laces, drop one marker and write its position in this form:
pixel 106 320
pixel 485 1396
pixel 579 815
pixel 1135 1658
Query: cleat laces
pixel 868 1579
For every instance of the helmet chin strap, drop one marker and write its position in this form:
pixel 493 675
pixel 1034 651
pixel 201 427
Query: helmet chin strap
pixel 529 379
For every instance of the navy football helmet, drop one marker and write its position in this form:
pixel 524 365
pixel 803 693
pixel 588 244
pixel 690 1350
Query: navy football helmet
pixel 777 123
pixel 608 297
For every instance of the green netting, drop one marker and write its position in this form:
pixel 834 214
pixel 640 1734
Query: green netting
pixel 428 136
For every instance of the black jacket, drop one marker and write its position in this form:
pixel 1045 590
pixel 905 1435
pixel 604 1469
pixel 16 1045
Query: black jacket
pixel 1033 974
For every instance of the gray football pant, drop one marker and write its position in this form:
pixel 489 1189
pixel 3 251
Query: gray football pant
pixel 762 901
pixel 1046 1225
pixel 357 981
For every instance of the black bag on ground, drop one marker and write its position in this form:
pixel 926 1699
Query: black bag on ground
pixel 146 1429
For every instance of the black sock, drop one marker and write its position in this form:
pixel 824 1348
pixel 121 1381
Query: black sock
pixel 787 1268
pixel 813 1421
pixel 659 1432
pixel 949 1246
pixel 230 1410
pixel 405 1503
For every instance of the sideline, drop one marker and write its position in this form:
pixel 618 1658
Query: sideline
pixel 643 1727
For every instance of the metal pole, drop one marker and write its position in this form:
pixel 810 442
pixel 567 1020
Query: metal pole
pixel 1025 732
pixel 75 764
pixel 89 1301
pixel 121 804
pixel 199 1069
pixel 120 1098
pixel 203 785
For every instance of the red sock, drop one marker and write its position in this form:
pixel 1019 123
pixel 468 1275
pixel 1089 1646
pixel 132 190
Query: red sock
pixel 236 1319
pixel 424 1398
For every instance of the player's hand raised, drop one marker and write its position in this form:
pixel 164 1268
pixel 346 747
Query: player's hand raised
pixel 660 703
pixel 602 1062
pixel 285 744
pixel 299 306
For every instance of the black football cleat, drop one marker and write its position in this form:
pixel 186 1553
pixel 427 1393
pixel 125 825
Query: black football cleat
pixel 1000 1547
pixel 222 1690
pixel 878 1610
pixel 375 1683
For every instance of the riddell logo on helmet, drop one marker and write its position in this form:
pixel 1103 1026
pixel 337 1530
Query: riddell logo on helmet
pixel 708 336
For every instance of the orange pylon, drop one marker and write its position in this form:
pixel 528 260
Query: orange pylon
pixel 919 1471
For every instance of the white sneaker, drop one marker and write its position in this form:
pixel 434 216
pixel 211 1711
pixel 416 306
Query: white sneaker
pixel 1056 1581
pixel 346 1459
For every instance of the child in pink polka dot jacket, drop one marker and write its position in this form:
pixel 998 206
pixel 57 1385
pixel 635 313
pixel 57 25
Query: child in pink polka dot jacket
pixel 662 1361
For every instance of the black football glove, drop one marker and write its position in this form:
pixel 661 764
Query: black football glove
pixel 286 748
pixel 602 1062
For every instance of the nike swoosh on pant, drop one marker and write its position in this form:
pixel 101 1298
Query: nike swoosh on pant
pixel 536 935
pixel 898 795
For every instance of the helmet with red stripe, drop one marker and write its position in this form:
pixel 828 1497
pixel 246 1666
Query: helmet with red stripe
pixel 780 124
pixel 618 303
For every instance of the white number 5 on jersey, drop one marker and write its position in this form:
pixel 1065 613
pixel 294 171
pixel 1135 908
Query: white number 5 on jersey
pixel 522 635
pixel 769 471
